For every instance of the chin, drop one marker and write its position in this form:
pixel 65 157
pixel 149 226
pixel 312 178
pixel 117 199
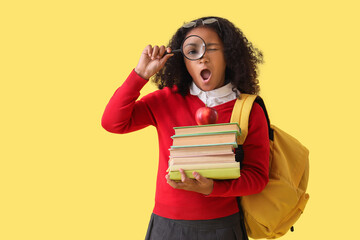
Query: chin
pixel 207 88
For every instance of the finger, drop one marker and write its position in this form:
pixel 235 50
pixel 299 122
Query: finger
pixel 155 52
pixel 148 50
pixel 169 181
pixel 183 176
pixel 199 178
pixel 174 184
pixel 162 50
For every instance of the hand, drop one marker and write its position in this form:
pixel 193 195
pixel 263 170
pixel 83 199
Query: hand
pixel 200 184
pixel 152 60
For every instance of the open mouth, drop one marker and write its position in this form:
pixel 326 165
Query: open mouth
pixel 205 74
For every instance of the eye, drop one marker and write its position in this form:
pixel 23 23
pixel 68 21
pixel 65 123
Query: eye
pixel 192 51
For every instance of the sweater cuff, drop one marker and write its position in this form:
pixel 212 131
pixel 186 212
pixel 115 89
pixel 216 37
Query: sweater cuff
pixel 134 81
pixel 133 71
pixel 136 77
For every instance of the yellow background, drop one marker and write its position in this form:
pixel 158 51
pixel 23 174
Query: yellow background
pixel 63 177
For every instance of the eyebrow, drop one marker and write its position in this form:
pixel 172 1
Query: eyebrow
pixel 211 44
pixel 207 45
pixel 191 44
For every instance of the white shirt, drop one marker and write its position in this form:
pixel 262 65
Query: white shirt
pixel 217 96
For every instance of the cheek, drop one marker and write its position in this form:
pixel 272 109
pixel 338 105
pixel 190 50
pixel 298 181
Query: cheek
pixel 221 63
pixel 189 67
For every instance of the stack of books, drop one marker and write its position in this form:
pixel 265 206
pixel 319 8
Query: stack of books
pixel 206 149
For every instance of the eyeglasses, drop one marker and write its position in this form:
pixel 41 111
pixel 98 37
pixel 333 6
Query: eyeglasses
pixel 204 22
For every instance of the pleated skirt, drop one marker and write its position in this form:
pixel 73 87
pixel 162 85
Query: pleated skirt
pixel 226 228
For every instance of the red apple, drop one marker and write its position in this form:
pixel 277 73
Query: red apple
pixel 206 115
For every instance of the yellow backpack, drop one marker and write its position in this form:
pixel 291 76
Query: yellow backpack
pixel 271 213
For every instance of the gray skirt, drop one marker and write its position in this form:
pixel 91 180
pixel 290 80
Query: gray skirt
pixel 226 228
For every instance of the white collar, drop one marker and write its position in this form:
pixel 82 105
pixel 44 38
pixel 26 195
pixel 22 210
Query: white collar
pixel 217 96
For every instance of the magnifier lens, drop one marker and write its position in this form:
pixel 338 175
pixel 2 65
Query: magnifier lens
pixel 193 48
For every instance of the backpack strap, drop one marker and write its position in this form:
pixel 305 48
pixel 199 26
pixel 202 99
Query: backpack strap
pixel 241 113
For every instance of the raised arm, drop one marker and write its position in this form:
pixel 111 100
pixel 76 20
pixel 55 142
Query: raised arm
pixel 124 113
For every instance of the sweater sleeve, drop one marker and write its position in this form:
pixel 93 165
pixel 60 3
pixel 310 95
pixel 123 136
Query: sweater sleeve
pixel 123 113
pixel 255 165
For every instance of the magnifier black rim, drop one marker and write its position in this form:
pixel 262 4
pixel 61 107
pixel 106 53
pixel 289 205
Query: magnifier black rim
pixel 182 44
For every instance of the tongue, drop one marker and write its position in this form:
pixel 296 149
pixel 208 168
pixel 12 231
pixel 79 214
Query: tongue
pixel 205 74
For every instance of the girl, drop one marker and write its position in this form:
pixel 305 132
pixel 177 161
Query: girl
pixel 198 208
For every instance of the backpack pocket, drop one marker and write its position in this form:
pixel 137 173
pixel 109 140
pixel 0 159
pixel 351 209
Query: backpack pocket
pixel 272 212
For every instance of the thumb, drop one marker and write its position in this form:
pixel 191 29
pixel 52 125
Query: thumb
pixel 165 58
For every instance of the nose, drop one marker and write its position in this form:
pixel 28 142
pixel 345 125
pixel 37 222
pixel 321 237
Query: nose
pixel 204 58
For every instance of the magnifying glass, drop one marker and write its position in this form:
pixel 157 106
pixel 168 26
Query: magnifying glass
pixel 193 48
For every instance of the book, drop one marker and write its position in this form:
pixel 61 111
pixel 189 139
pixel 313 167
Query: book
pixel 222 127
pixel 219 174
pixel 219 158
pixel 198 166
pixel 183 151
pixel 211 138
pixel 206 149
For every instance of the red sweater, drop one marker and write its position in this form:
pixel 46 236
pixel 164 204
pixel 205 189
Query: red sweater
pixel 166 109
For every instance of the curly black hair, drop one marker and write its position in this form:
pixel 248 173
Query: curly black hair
pixel 240 56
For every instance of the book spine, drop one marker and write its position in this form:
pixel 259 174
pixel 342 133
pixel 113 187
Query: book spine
pixel 208 126
pixel 196 154
pixel 233 144
pixel 218 156
pixel 219 174
pixel 204 166
pixel 237 133
pixel 184 162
